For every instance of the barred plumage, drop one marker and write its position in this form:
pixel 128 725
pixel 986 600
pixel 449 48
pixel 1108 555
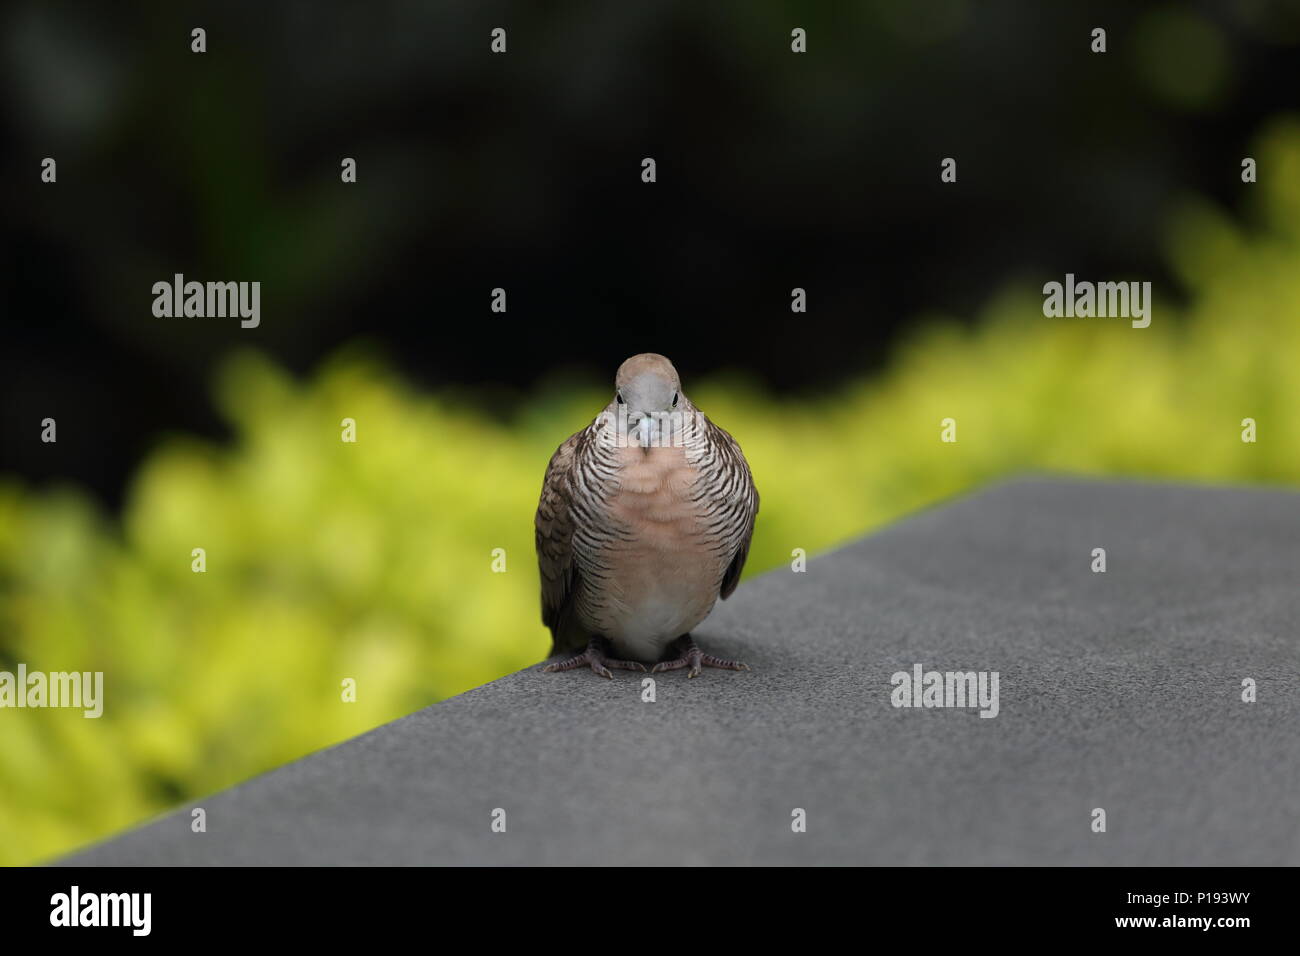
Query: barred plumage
pixel 644 521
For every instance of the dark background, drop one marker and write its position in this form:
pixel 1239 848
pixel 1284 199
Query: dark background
pixel 523 171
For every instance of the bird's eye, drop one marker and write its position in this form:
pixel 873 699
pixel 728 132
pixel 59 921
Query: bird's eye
pixel 619 396
pixel 674 399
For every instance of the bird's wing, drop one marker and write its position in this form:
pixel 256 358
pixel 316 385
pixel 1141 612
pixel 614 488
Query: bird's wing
pixel 554 534
pixel 740 506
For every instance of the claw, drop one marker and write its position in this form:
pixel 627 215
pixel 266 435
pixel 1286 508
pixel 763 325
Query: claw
pixel 593 657
pixel 696 660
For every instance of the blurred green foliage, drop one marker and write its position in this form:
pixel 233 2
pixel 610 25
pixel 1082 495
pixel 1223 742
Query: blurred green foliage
pixel 328 560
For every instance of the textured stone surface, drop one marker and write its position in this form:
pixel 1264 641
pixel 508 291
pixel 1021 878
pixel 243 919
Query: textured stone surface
pixel 1118 690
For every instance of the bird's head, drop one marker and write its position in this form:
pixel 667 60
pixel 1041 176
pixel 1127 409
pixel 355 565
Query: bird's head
pixel 648 392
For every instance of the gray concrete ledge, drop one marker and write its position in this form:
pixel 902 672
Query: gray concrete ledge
pixel 1119 690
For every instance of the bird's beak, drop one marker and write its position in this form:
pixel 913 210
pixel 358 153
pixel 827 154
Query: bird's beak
pixel 644 429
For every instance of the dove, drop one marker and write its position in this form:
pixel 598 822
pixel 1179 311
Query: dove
pixel 644 522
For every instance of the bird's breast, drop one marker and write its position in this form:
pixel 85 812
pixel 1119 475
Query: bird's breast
pixel 654 491
pixel 665 571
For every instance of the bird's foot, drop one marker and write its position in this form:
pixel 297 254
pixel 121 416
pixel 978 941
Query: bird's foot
pixel 694 658
pixel 593 657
